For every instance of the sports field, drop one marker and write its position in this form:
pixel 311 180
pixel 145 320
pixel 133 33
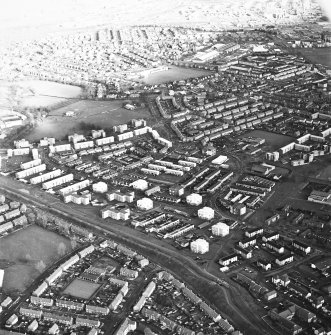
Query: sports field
pixel 275 141
pixel 81 289
pixel 104 114
pixel 24 255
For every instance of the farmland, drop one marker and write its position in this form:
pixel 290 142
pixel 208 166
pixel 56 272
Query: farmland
pixel 26 253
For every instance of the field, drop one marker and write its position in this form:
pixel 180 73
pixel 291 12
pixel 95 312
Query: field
pixel 275 141
pixel 81 289
pixel 36 93
pixel 174 73
pixel 102 114
pixel 35 18
pixel 318 55
pixel 26 253
pixel 325 173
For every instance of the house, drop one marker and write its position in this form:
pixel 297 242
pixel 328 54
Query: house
pixel 301 246
pixel 284 259
pixel 254 232
pixel 317 301
pixel 282 280
pixel 128 273
pixel 304 314
pixel 116 213
pixel 247 242
pixel 54 329
pixel 32 313
pixel 270 237
pixel 284 320
pixel 243 252
pixel 227 260
pixel 299 289
pixel 264 264
pixel 177 190
pixel 209 150
pixel 270 295
pixel 82 321
pixel 275 247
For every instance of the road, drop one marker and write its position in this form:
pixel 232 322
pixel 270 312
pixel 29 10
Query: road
pixel 183 267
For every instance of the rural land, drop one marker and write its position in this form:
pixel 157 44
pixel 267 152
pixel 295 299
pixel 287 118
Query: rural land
pixel 165 169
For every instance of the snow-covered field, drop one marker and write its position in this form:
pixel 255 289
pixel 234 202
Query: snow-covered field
pixel 35 93
pixel 35 17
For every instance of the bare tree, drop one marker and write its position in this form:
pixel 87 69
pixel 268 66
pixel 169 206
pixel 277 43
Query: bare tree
pixel 31 218
pixel 41 220
pixel 40 266
pixel 61 249
pixel 73 242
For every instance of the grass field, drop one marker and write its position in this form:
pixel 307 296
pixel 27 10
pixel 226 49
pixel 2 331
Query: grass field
pixel 325 173
pixel 318 55
pixel 104 114
pixel 174 73
pixel 20 253
pixel 275 141
pixel 81 289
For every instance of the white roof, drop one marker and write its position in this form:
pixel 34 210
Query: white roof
pixel 220 160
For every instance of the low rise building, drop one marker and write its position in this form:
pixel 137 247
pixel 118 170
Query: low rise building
pixel 306 249
pixel 254 232
pixel 121 196
pixel 265 265
pixel 115 213
pixel 284 259
pixel 245 253
pixel 227 260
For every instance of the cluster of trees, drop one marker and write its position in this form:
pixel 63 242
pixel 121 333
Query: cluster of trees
pixel 47 220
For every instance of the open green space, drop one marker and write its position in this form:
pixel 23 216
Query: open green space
pixel 275 141
pixel 317 55
pixel 88 113
pixel 325 173
pixel 174 73
pixel 25 254
pixel 81 289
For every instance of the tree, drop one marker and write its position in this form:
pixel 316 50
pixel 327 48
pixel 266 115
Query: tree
pixel 41 220
pixel 73 242
pixel 31 218
pixel 40 266
pixel 61 249
pixel 23 208
pixel 2 199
